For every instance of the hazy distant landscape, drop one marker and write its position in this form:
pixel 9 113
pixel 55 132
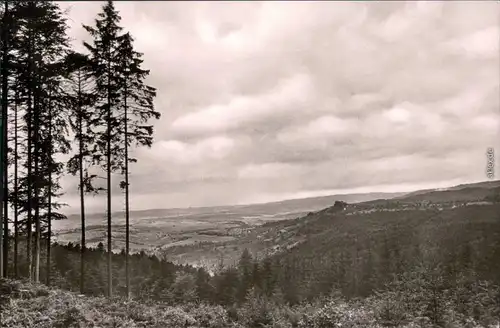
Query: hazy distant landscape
pixel 164 228
pixel 296 252
pixel 204 236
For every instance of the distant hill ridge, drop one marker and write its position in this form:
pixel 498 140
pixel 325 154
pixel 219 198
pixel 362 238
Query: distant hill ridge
pixel 280 206
pixel 482 185
pixel 462 192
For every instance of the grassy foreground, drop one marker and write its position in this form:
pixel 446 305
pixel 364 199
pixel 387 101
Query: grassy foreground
pixel 24 304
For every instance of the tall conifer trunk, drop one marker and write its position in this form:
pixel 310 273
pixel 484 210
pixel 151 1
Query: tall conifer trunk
pixel 127 204
pixel 29 200
pixel 49 197
pixel 4 227
pixel 108 174
pixel 82 189
pixel 16 187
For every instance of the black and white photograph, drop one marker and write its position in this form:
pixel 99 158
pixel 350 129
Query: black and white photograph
pixel 249 164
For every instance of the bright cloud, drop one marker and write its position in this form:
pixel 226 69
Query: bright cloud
pixel 265 100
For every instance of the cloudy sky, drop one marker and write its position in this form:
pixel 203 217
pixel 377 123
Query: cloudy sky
pixel 264 101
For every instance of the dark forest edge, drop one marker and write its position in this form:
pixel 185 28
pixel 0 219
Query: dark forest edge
pixel 250 294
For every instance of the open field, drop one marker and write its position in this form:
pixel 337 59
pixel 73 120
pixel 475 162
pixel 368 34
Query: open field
pixel 205 236
pixel 180 229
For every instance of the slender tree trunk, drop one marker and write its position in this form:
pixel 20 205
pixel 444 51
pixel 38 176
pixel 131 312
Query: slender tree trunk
pixel 5 113
pixel 6 191
pixel 37 194
pixel 108 166
pixel 5 89
pixel 127 205
pixel 29 200
pixel 82 190
pixel 16 189
pixel 49 229
pixel 36 141
pixel 29 222
pixel 49 198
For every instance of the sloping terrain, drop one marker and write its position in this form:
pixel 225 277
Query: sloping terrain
pixel 30 305
pixel 205 236
pixel 405 223
pixel 163 228
pixel 464 192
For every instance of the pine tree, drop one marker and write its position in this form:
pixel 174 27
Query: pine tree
pixel 54 141
pixel 36 151
pixel 289 282
pixel 42 42
pixel 204 290
pixel 81 121
pixel 104 56
pixel 256 277
pixel 24 85
pixel 4 81
pixel 8 34
pixel 226 286
pixel 125 105
pixel 267 276
pixel 245 267
pixel 138 109
pixel 13 130
pixel 15 185
pixel 50 151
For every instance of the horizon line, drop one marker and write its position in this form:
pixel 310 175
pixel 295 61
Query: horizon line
pixel 340 193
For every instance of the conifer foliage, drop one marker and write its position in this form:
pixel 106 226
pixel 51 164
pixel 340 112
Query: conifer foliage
pixel 81 119
pixel 93 106
pixel 124 105
pixel 137 110
pixel 33 48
